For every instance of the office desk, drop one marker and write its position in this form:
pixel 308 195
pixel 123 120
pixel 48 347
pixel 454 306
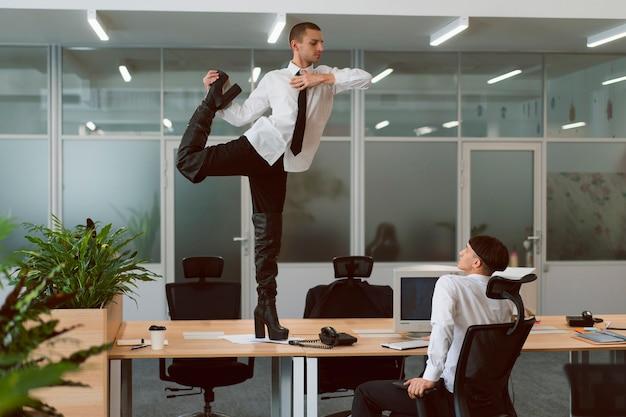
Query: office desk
pixel 178 347
pixel 370 346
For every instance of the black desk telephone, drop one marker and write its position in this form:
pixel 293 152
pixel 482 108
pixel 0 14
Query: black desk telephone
pixel 329 338
pixel 586 319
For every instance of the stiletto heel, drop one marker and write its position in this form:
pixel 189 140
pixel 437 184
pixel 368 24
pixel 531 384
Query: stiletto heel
pixel 230 95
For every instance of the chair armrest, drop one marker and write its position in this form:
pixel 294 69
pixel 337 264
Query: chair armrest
pixel 422 403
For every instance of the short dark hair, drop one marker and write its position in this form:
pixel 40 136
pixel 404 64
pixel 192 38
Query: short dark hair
pixel 298 30
pixel 492 251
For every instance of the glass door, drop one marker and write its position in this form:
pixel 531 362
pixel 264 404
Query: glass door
pixel 501 196
pixel 206 219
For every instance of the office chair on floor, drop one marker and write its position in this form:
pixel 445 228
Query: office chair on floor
pixel 350 297
pixel 597 390
pixel 487 357
pixel 204 300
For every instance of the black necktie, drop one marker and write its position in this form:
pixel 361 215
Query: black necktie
pixel 298 132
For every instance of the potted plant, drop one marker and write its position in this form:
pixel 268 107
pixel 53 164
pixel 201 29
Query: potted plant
pixel 23 328
pixel 95 264
pixel 96 267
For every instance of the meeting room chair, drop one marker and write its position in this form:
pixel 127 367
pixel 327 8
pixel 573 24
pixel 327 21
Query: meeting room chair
pixel 597 390
pixel 204 299
pixel 351 296
pixel 488 354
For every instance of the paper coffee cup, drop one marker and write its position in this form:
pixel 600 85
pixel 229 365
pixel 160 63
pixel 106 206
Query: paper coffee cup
pixel 157 337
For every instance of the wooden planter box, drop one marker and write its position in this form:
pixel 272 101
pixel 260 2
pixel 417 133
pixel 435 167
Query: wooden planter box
pixel 98 326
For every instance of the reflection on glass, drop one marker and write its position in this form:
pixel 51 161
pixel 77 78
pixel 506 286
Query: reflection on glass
pixel 416 99
pixel 115 182
pixel 316 219
pixel 97 100
pixel 207 217
pixel 502 198
pixel 586 193
pixel 411 188
pixel 24 90
pixel 511 107
pixel 579 104
pixel 23 187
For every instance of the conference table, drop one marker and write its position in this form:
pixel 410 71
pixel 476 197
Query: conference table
pixel 294 368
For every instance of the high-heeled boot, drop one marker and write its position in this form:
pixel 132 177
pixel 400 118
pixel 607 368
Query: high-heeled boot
pixel 268 234
pixel 190 152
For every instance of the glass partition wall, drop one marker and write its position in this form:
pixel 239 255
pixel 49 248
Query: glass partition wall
pixel 108 145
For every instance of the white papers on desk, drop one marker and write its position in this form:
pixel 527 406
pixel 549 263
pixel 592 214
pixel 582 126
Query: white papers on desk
pixel 248 339
pixel 542 329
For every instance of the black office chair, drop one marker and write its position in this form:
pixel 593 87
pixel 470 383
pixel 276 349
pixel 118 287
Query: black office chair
pixel 204 300
pixel 487 357
pixel 349 297
pixel 597 390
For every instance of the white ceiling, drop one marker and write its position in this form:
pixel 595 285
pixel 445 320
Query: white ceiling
pixel 341 32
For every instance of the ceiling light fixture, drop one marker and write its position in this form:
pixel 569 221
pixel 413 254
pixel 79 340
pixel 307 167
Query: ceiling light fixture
pixel 606 36
pixel 256 71
pixel 96 24
pixel 504 76
pixel 614 80
pixel 279 23
pixel 573 125
pixel 382 75
pixel 382 124
pixel 125 72
pixel 450 30
pixel 424 130
pixel 450 124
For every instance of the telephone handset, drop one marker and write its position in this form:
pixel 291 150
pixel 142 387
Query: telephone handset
pixel 329 338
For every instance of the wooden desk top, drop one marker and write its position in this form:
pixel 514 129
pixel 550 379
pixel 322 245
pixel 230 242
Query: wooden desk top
pixel 367 345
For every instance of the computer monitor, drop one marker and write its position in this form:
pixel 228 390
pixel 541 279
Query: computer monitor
pixel 413 288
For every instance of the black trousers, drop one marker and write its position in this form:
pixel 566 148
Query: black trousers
pixel 268 183
pixel 373 397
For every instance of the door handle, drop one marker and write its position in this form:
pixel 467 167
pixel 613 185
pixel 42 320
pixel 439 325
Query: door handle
pixel 240 239
pixel 536 240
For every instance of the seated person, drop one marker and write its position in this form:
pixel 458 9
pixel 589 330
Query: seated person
pixel 458 302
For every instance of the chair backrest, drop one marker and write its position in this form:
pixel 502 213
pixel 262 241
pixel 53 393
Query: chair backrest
pixel 350 298
pixel 203 300
pixel 488 354
pixel 598 389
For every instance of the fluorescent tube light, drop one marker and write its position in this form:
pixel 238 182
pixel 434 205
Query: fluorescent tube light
pixel 382 124
pixel 125 73
pixel 450 124
pixel 614 80
pixel 382 75
pixel 167 123
pixel 606 36
pixel 277 27
pixel 504 76
pixel 573 125
pixel 424 130
pixel 96 24
pixel 450 30
pixel 256 71
pixel 90 125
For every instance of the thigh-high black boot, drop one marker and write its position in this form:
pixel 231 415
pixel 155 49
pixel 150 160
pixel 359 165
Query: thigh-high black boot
pixel 268 233
pixel 190 155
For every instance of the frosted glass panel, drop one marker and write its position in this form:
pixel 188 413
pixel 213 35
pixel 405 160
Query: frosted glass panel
pixel 586 193
pixel 411 189
pixel 502 203
pixel 207 218
pixel 118 182
pixel 575 94
pixel 24 186
pixel 317 211
pixel 94 91
pixel 417 98
pixel 23 90
pixel 508 108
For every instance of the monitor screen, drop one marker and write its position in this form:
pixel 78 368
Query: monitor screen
pixel 412 296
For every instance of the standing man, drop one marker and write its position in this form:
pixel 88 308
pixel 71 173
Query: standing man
pixel 458 302
pixel 300 98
